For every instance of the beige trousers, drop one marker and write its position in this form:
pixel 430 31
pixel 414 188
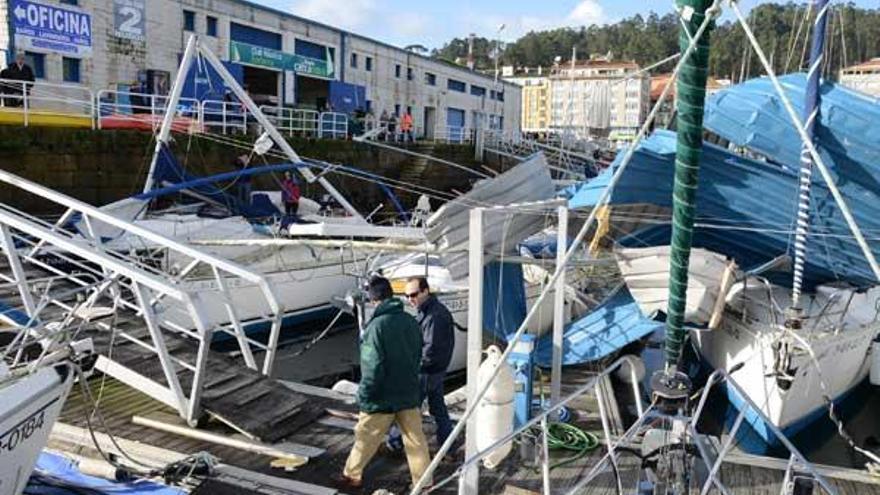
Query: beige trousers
pixel 370 433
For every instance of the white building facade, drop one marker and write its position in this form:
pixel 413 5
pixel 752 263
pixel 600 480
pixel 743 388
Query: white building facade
pixel 599 99
pixel 864 77
pixel 282 59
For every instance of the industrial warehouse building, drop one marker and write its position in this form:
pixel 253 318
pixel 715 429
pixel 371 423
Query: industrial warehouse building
pixel 281 59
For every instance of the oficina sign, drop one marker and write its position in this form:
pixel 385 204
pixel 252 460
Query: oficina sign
pixel 44 28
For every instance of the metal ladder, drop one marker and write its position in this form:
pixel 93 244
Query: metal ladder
pixel 58 268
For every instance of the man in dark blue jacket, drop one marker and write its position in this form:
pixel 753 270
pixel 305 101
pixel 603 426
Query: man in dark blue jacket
pixel 438 342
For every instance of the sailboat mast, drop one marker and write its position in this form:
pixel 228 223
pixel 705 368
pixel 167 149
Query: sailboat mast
pixel 811 111
pixel 690 99
pixel 164 136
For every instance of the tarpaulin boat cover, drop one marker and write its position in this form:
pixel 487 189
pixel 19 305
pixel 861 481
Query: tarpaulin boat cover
pixel 746 209
pixel 605 330
pixel 58 475
pixel 847 133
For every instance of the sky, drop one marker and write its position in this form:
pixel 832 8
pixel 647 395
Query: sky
pixel 433 22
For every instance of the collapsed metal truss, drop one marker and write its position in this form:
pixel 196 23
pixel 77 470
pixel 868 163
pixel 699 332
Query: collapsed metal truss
pixel 72 252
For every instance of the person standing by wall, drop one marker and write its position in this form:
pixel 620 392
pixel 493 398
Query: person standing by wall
pixel 406 126
pixel 391 353
pixel 392 128
pixel 24 75
pixel 290 194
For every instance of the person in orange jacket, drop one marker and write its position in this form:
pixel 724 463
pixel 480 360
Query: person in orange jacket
pixel 406 126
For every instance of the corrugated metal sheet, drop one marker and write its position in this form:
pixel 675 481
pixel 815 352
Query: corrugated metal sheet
pixel 605 330
pixel 502 232
pixel 746 209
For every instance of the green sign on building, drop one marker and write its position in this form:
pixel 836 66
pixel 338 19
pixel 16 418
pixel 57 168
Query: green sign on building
pixel 267 57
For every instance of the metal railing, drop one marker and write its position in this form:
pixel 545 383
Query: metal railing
pixel 42 98
pixel 451 134
pixel 226 117
pixel 294 121
pixel 113 108
pixel 159 293
pixel 143 108
pixel 332 125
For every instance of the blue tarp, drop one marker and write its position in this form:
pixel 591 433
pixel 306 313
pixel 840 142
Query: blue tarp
pixel 504 299
pixel 745 208
pixel 847 133
pixel 168 170
pixel 605 330
pixel 60 469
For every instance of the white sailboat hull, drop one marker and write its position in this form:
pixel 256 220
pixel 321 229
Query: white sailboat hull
pixel 786 374
pixel 29 406
pixel 842 364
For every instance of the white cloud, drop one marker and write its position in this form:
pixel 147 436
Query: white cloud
pixel 347 14
pixel 586 13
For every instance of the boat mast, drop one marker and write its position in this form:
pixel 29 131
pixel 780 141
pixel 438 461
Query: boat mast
pixel 811 111
pixel 690 98
pixel 168 119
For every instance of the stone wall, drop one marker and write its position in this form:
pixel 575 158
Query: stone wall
pixel 103 166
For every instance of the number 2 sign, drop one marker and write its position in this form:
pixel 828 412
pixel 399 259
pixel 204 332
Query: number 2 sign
pixel 130 19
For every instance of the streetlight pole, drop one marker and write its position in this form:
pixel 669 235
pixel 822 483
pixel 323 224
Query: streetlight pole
pixel 497 54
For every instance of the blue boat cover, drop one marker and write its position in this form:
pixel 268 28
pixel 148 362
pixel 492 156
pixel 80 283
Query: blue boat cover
pixel 746 209
pixel 504 299
pixel 605 330
pixel 55 468
pixel 847 134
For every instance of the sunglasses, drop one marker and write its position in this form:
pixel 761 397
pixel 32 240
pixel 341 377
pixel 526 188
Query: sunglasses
pixel 412 296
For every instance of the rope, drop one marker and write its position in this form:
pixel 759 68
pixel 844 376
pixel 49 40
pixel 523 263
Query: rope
pixel 570 438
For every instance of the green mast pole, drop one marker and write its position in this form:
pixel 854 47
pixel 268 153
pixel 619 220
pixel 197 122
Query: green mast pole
pixel 690 98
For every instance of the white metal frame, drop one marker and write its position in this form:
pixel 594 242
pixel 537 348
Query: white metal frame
pixel 160 298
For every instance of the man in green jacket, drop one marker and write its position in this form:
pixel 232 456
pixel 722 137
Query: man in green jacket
pixel 389 392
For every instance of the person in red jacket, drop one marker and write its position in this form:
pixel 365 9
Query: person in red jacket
pixel 290 194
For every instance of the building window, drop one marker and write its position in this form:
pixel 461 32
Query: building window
pixel 70 2
pixel 478 91
pixel 37 61
pixel 430 79
pixel 453 85
pixel 397 70
pixel 189 20
pixel 397 110
pixel 354 60
pixel 409 74
pixel 496 95
pixel 70 69
pixel 212 26
pixel 368 64
pixel 369 106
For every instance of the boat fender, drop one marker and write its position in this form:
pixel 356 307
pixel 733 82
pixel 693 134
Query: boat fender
pixel 875 363
pixel 625 372
pixel 494 415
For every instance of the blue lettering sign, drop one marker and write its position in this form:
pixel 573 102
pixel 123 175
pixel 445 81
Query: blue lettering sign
pixel 49 28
